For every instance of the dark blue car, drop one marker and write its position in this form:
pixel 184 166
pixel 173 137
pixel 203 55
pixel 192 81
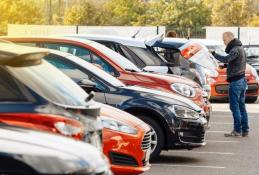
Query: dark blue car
pixel 175 120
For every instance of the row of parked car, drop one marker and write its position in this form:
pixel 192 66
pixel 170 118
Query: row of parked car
pixel 127 99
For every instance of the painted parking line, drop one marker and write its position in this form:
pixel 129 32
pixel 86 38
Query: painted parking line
pixel 217 131
pixel 221 123
pixel 200 152
pixel 223 141
pixel 188 166
pixel 230 116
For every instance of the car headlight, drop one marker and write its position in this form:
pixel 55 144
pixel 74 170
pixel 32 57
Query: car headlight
pixel 184 89
pixel 211 80
pixel 118 126
pixel 254 73
pixel 184 112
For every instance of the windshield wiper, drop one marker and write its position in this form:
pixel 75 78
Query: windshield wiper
pixel 90 96
pixel 131 70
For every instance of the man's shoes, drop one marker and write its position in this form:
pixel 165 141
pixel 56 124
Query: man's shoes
pixel 233 134
pixel 245 134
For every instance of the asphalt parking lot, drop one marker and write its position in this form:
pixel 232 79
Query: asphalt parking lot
pixel 221 156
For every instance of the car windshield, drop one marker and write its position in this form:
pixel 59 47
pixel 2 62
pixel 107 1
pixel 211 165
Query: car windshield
pixel 252 52
pixel 146 56
pixel 91 68
pixel 117 58
pixel 51 84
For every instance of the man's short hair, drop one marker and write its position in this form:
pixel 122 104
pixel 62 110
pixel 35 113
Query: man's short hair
pixel 229 34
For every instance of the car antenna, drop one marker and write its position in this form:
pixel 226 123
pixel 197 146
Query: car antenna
pixel 137 32
pixel 90 96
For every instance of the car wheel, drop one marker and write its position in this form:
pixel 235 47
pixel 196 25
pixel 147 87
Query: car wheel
pixel 251 99
pixel 157 137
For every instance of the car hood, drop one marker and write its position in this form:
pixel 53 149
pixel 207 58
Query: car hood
pixel 168 98
pixel 119 115
pixel 164 79
pixel 49 153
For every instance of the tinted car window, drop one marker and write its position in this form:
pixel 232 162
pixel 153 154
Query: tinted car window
pixel 125 51
pixel 50 83
pixel 84 54
pixel 74 50
pixel 9 88
pixel 71 70
pixel 103 65
pixel 146 56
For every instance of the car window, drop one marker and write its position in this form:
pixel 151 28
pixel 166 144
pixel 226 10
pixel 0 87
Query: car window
pixel 122 51
pixel 84 54
pixel 50 83
pixel 252 52
pixel 71 70
pixel 99 62
pixel 28 44
pixel 130 55
pixel 146 56
pixel 74 50
pixel 9 88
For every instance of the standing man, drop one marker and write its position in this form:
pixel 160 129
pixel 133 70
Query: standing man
pixel 236 60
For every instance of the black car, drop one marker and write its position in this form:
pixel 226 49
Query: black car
pixel 252 55
pixel 32 86
pixel 24 151
pixel 176 120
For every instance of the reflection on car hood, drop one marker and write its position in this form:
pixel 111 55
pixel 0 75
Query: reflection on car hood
pixel 49 153
pixel 120 115
pixel 162 78
pixel 166 97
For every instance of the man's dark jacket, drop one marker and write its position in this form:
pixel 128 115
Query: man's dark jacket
pixel 236 60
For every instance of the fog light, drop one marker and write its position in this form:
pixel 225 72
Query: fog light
pixel 181 134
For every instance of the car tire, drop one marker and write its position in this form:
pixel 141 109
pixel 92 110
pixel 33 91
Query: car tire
pixel 159 133
pixel 251 99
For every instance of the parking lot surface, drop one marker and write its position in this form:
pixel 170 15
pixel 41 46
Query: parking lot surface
pixel 221 156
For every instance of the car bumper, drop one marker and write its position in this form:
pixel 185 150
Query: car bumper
pixel 125 152
pixel 190 133
pixel 220 90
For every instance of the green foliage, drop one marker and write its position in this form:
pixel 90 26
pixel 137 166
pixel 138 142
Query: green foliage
pixel 232 12
pixel 19 12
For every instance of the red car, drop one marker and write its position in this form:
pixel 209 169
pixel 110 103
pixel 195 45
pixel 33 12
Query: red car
pixel 44 122
pixel 120 67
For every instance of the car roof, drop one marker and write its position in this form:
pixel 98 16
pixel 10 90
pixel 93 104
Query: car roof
pixel 18 56
pixel 111 38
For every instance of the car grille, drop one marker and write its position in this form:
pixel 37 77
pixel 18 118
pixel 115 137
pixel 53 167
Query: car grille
pixel 223 89
pixel 146 142
pixel 122 159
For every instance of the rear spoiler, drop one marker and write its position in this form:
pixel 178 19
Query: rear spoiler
pixel 20 56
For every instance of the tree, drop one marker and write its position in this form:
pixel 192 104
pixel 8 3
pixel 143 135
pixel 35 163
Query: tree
pixel 84 13
pixel 232 12
pixel 124 12
pixel 254 22
pixel 19 12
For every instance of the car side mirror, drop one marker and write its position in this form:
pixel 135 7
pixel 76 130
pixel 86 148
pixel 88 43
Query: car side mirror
pixel 87 85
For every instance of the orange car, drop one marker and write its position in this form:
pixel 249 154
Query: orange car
pixel 219 85
pixel 126 141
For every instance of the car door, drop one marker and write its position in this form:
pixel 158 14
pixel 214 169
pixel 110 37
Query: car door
pixel 76 73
